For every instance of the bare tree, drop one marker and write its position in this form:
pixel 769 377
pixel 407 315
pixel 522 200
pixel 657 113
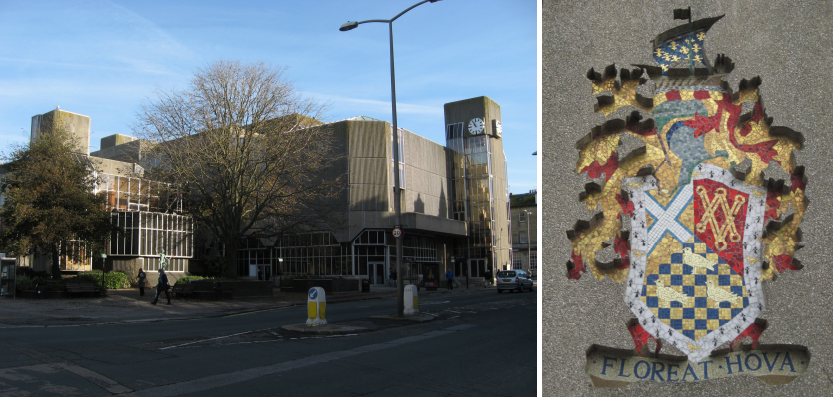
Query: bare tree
pixel 246 148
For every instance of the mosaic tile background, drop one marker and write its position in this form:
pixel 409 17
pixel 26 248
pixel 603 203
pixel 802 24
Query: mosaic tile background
pixel 788 45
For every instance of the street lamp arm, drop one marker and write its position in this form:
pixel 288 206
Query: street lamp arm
pixel 409 8
pixel 376 20
pixel 353 24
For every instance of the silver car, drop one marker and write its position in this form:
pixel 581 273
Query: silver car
pixel 513 280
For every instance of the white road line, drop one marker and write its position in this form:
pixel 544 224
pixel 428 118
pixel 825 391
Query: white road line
pixel 210 339
pixel 230 378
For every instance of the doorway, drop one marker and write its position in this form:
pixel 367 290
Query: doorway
pixel 477 267
pixel 376 273
pixel 265 272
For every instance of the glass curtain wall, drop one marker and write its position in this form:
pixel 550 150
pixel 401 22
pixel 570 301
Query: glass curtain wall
pixel 146 234
pixel 473 199
pixel 319 253
pixel 136 194
pixel 316 253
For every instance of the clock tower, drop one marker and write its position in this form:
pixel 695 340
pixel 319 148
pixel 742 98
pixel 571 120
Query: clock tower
pixel 479 184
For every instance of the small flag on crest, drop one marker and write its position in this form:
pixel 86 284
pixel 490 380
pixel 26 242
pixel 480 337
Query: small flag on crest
pixel 681 13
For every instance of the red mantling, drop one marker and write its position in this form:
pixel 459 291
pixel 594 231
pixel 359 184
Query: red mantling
pixel 578 268
pixel 622 248
pixel 703 124
pixel 641 338
pixel 754 331
pixel 627 206
pixel 763 149
pixel 783 262
pixel 595 169
pixel 797 183
pixel 772 205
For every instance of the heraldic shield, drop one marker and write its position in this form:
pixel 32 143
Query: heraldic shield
pixel 696 206
pixel 692 280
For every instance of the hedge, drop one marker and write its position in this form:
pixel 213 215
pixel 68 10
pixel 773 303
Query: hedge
pixel 187 279
pixel 112 280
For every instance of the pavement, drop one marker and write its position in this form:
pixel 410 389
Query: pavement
pixel 126 306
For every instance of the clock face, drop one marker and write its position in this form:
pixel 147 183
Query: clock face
pixel 497 128
pixel 476 126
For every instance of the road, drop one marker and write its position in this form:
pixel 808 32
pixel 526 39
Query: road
pixel 481 343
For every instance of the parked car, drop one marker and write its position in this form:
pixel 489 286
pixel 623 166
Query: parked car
pixel 513 280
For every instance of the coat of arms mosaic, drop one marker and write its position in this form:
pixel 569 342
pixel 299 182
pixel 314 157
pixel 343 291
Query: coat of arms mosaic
pixel 701 203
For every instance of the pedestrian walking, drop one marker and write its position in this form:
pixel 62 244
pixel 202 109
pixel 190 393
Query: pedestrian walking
pixel 142 280
pixel 450 279
pixel 162 286
pixel 391 278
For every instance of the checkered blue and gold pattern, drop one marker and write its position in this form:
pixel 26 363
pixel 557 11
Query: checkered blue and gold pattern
pixel 700 314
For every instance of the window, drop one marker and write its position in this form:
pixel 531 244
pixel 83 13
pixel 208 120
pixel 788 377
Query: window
pixel 522 237
pixel 522 217
pixel 516 265
pixel 454 130
pixel 533 261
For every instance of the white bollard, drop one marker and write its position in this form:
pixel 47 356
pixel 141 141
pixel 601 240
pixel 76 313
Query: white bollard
pixel 410 300
pixel 315 307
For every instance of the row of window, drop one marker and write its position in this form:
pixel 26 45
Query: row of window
pixel 148 233
pixel 370 247
pixel 136 194
pixel 517 262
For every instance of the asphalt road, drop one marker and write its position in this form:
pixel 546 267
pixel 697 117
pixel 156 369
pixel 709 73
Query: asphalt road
pixel 475 336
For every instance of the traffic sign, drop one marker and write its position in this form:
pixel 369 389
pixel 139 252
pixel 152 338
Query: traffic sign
pixel 397 232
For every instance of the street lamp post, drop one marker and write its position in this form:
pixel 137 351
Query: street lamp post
pixel 103 268
pixel 397 214
pixel 529 268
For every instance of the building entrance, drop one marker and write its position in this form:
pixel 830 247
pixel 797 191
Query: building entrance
pixel 376 273
pixel 266 272
pixel 477 267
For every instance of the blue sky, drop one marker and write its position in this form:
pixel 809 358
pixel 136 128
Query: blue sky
pixel 104 58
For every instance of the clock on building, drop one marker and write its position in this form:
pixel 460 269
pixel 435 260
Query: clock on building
pixel 476 126
pixel 496 128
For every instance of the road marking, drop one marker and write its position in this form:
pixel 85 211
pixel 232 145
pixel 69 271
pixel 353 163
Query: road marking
pixel 230 378
pixel 91 376
pixel 210 339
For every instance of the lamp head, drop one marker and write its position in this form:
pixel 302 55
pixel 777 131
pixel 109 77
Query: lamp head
pixel 348 26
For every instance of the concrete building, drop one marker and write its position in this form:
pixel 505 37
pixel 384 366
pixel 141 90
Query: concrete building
pixel 150 212
pixel 524 210
pixel 455 205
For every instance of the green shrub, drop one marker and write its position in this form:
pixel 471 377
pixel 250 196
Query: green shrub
pixel 23 282
pixel 187 279
pixel 91 276
pixel 116 280
pixel 112 280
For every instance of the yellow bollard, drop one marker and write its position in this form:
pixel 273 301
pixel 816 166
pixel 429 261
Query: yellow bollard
pixel 315 307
